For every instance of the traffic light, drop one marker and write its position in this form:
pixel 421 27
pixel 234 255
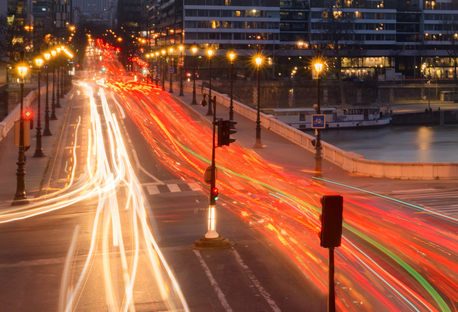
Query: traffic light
pixel 28 116
pixel 331 221
pixel 225 129
pixel 203 103
pixel 215 193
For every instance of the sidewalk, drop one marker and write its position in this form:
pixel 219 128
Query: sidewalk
pixel 37 169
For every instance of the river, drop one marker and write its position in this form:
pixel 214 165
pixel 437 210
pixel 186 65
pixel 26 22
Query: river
pixel 399 143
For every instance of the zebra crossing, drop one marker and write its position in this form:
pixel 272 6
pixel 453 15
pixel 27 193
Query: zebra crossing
pixel 162 188
pixel 443 201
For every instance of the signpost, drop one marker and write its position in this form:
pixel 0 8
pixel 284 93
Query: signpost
pixel 318 121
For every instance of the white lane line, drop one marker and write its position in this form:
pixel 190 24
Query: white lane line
pixel 221 296
pixel 174 188
pixel 152 189
pixel 195 187
pixel 256 282
pixel 142 169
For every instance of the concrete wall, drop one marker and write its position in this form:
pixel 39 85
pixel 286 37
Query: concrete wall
pixel 9 120
pixel 348 161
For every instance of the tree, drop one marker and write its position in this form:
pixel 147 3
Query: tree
pixel 3 37
pixel 337 38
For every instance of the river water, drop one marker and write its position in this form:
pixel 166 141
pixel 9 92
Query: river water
pixel 399 143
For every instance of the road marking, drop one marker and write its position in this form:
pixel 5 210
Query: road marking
pixel 194 187
pixel 174 188
pixel 152 189
pixel 219 293
pixel 414 191
pixel 256 282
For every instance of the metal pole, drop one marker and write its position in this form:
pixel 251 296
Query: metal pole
pixel 258 143
pixel 318 135
pixel 231 106
pixel 194 81
pixel 53 99
pixel 46 131
pixel 20 196
pixel 163 73
pixel 62 75
pixel 171 74
pixel 211 233
pixel 429 98
pixel 331 295
pixel 209 112
pixel 157 71
pixel 38 149
pixel 57 86
pixel 181 75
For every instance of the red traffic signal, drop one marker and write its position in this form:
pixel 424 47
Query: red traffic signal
pixel 28 115
pixel 215 193
pixel 331 221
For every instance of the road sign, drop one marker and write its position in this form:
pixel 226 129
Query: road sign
pixel 171 70
pixel 318 121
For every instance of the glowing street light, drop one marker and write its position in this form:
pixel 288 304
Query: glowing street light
pixel 318 67
pixel 231 56
pixel 181 47
pixel 210 54
pixel 171 69
pixel 38 149
pixel 163 69
pixel 20 196
pixel 258 144
pixel 47 131
pixel 194 51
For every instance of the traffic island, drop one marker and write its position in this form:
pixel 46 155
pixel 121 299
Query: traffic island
pixel 212 243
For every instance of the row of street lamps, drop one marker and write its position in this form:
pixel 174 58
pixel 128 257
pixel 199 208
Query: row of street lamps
pixel 20 197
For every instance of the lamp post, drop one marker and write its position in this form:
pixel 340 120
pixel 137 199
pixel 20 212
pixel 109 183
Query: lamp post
pixel 61 69
pixel 210 53
pixel 181 70
pixel 318 67
pixel 157 69
pixel 162 69
pixel 47 131
pixel 258 143
pixel 53 99
pixel 231 56
pixel 170 70
pixel 58 81
pixel 194 50
pixel 20 196
pixel 38 149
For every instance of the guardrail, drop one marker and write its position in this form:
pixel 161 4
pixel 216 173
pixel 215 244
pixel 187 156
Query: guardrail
pixel 349 161
pixel 8 122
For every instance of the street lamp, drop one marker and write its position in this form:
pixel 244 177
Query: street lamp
pixel 162 69
pixel 53 99
pixel 47 131
pixel 194 50
pixel 181 70
pixel 171 69
pixel 210 53
pixel 20 196
pixel 58 77
pixel 258 143
pixel 61 69
pixel 157 69
pixel 38 149
pixel 318 68
pixel 231 56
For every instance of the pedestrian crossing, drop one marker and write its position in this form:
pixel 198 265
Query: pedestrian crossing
pixel 162 188
pixel 442 201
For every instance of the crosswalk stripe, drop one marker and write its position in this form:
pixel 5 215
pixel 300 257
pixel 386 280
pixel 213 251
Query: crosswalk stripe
pixel 194 186
pixel 152 189
pixel 173 188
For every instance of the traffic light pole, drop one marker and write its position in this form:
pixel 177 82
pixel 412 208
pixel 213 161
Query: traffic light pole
pixel 331 296
pixel 212 202
pixel 212 240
